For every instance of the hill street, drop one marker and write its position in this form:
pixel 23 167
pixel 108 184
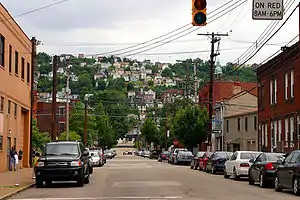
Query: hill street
pixel 129 177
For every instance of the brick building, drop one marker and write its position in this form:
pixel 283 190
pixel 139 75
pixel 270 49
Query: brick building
pixel 44 115
pixel 15 89
pixel 278 101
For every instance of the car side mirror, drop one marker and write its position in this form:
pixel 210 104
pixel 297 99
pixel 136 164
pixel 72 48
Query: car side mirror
pixel 251 160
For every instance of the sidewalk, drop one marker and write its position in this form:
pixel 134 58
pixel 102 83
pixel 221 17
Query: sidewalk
pixel 8 180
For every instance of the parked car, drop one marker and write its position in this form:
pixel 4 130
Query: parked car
pixel 154 154
pixel 195 163
pixel 287 173
pixel 146 154
pixel 63 161
pixel 217 160
pixel 203 160
pixel 174 153
pixel 239 163
pixel 96 158
pixel 263 168
pixel 90 161
pixel 109 154
pixel 164 156
pixel 183 157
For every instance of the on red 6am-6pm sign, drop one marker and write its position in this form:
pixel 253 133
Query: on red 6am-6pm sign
pixel 267 10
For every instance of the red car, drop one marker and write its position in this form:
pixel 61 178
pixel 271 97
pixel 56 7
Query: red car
pixel 203 160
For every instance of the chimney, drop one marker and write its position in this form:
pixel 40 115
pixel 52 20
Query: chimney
pixel 237 87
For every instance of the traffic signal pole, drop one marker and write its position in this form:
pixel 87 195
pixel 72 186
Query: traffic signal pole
pixel 215 37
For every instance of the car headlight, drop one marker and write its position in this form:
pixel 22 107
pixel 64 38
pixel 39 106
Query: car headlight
pixel 75 164
pixel 40 164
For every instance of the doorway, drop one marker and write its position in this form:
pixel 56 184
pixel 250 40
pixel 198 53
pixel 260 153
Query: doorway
pixel 8 151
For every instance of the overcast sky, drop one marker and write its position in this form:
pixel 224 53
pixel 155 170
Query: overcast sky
pixel 99 26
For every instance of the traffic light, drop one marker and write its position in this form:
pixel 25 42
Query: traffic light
pixel 199 12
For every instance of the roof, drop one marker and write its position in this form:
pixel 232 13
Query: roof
pixel 12 19
pixel 243 92
pixel 225 89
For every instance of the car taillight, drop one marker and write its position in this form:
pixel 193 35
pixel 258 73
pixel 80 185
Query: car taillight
pixel 269 166
pixel 163 154
pixel 244 165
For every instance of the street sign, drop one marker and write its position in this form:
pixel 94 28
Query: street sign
pixel 267 10
pixel 217 131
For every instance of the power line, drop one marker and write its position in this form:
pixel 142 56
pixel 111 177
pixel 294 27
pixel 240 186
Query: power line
pixel 34 10
pixel 222 14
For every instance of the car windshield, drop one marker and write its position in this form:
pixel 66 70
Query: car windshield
pixel 95 154
pixel 247 156
pixel 272 157
pixel 222 155
pixel 200 154
pixel 61 150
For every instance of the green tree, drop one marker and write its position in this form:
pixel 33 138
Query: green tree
pixel 190 125
pixel 150 83
pixel 149 131
pixel 73 136
pixel 167 72
pixel 39 139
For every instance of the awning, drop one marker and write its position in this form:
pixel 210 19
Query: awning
pixel 233 141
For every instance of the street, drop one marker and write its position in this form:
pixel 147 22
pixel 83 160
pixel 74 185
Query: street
pixel 129 177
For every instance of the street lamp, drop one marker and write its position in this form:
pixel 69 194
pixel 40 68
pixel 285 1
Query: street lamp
pixel 67 99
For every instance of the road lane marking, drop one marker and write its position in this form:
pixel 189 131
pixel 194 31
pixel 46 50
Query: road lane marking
pixel 146 184
pixel 103 198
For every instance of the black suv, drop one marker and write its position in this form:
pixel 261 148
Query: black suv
pixel 63 161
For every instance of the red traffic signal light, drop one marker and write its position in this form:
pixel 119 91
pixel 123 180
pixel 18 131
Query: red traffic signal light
pixel 199 12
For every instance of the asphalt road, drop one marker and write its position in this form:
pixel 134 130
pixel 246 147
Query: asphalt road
pixel 132 177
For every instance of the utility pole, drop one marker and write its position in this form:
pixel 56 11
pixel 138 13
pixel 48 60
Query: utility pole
pixel 166 124
pixel 32 88
pixel 85 121
pixel 187 79
pixel 196 83
pixel 214 40
pixel 55 66
pixel 67 97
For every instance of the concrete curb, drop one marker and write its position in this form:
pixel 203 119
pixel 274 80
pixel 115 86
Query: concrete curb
pixel 16 191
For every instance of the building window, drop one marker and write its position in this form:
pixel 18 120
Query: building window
pixel 246 124
pixel 291 131
pixel 275 91
pixel 8 107
pixel 286 132
pixel 261 97
pixel 275 128
pixel 255 123
pixel 271 93
pixel 10 59
pixel 61 111
pixel 16 63
pixel 28 73
pixel 286 85
pixel 279 130
pixel 266 135
pixel 23 68
pixel 2 52
pixel 298 127
pixel 239 124
pixel 2 104
pixel 292 83
pixel 15 109
pixel 227 125
pixel 1 142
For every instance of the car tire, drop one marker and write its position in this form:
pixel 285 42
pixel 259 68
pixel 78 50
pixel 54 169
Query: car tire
pixel 39 183
pixel 277 184
pixel 87 178
pixel 80 180
pixel 195 167
pixel 225 174
pixel 250 180
pixel 262 182
pixel 296 186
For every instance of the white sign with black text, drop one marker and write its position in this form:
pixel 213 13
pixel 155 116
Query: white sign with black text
pixel 267 10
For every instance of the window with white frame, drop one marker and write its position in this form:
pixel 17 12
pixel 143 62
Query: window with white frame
pixel 271 93
pixel 266 135
pixel 275 91
pixel 275 125
pixel 291 131
pixel 286 133
pixel 292 83
pixel 286 85
pixel 279 130
pixel 298 127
